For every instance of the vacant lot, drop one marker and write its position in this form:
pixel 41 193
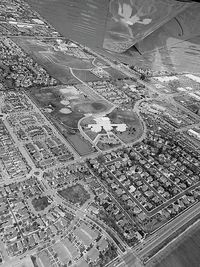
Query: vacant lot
pixel 75 194
pixel 187 254
pixel 40 203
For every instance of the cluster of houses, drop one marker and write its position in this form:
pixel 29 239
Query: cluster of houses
pixel 17 18
pixel 25 223
pixel 43 145
pixel 110 92
pixel 11 159
pixel 22 70
pixel 176 117
pixel 106 209
pixel 124 93
pixel 66 175
pixel 101 73
pixel 15 102
pixel 71 49
pixel 108 141
pixel 153 179
pixel 84 246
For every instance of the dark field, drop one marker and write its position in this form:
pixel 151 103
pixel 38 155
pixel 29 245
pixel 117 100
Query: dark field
pixel 95 107
pixel 187 254
pixel 75 194
pixel 82 146
pixel 40 203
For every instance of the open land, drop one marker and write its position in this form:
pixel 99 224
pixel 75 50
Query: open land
pixel 40 203
pixel 185 254
pixel 75 194
pixel 59 63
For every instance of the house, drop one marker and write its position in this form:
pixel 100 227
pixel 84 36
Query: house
pixel 132 189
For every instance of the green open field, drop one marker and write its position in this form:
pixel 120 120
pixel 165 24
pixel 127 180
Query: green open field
pixel 187 254
pixel 115 73
pixel 67 61
pixel 99 61
pixel 40 203
pixel 75 194
pixel 82 146
pixel 91 107
pixel 86 75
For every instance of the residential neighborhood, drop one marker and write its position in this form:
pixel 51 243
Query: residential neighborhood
pixel 99 160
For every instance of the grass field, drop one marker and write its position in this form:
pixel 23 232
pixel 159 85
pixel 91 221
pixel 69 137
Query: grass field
pixel 91 107
pixel 40 203
pixel 186 254
pixel 100 62
pixel 115 73
pixel 81 145
pixel 86 75
pixel 75 194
